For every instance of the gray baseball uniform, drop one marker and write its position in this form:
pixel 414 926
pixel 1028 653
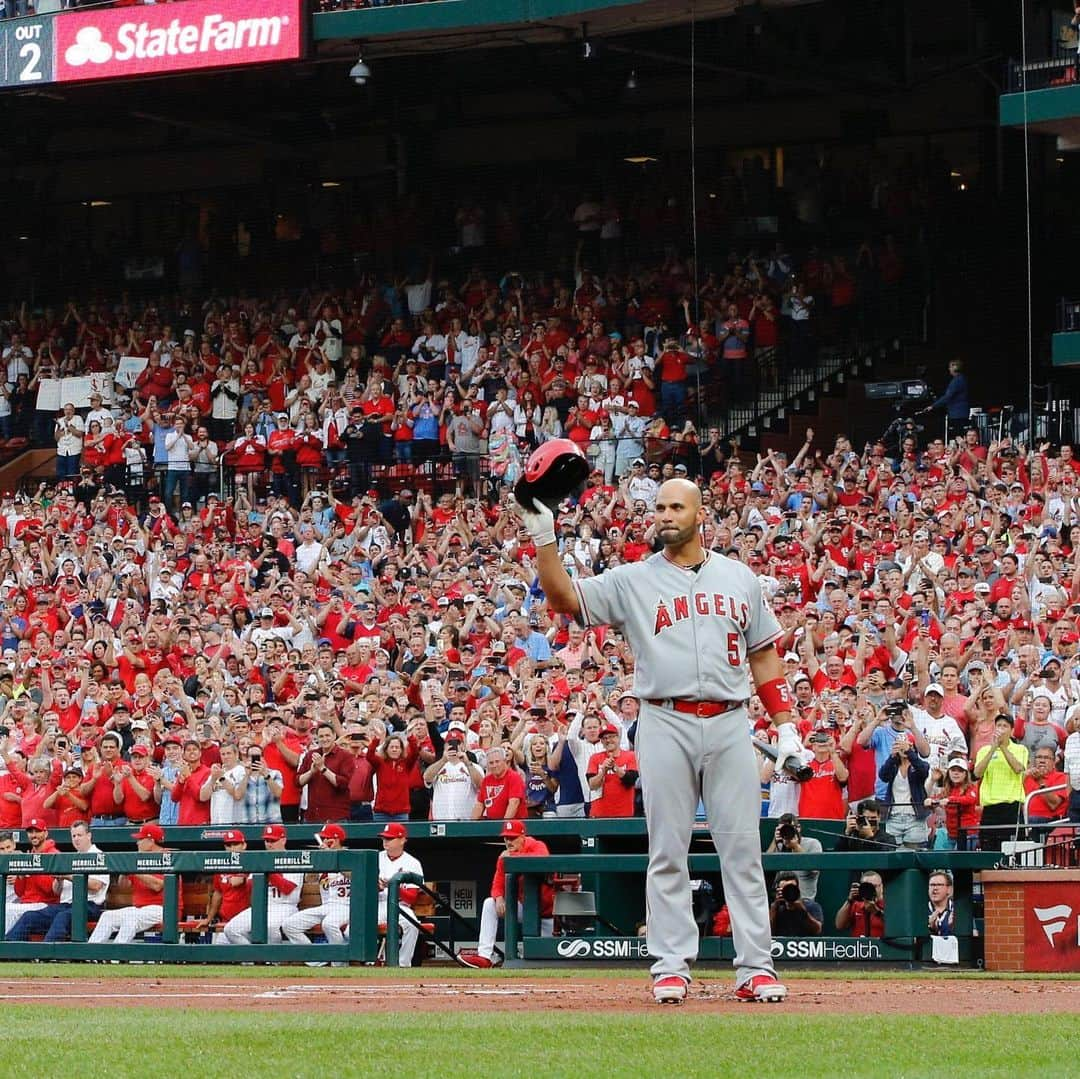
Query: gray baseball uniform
pixel 691 632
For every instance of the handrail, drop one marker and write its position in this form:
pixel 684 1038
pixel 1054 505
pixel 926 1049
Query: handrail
pixel 1043 73
pixel 1038 794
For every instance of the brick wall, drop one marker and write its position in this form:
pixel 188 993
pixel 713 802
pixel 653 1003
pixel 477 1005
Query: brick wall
pixel 1004 925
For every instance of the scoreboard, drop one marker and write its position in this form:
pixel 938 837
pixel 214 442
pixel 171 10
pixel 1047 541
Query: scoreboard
pixel 156 39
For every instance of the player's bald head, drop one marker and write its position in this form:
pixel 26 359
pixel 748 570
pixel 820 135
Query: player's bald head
pixel 680 490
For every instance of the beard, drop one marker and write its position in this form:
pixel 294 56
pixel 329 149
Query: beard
pixel 677 537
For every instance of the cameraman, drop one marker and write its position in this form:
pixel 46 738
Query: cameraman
pixel 788 839
pixel 863 912
pixel 792 915
pixel 862 829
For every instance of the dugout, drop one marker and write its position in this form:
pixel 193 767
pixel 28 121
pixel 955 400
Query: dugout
pixel 606 858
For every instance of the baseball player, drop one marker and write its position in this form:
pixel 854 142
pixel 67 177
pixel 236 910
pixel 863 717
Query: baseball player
pixel 335 887
pixel 699 627
pixel 35 891
pixel 125 923
pixel 282 897
pixel 494 908
pixel 231 893
pixel 394 859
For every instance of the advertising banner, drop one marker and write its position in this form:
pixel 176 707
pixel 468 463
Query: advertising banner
pixel 1052 926
pixel 855 950
pixel 154 39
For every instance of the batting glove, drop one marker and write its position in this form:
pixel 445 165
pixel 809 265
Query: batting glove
pixel 540 524
pixel 788 744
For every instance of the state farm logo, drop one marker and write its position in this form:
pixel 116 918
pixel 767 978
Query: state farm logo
pixel 168 38
pixel 140 41
pixel 1052 920
pixel 88 48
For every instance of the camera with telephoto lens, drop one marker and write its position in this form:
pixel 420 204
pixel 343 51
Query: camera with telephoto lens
pixel 786 832
pixel 867 891
pixel 790 892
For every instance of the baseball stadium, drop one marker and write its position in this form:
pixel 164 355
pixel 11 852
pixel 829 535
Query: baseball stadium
pixel 539 537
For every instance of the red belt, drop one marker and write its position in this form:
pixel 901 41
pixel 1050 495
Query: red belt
pixel 701 709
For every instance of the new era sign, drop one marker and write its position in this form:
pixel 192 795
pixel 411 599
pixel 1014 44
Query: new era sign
pixel 164 38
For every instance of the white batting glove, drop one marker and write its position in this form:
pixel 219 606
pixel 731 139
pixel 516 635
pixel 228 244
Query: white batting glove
pixel 788 744
pixel 540 524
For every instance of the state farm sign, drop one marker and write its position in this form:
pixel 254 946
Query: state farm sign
pixel 157 39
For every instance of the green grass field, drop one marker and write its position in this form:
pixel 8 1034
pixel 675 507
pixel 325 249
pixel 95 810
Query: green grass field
pixel 148 1043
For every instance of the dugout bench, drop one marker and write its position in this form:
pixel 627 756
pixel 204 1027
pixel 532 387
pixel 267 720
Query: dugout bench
pixel 361 947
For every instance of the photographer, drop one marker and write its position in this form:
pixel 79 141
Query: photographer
pixel 259 790
pixel 823 796
pixel 788 839
pixel 454 780
pixel 862 829
pixel 905 774
pixel 790 913
pixel 863 912
pixel 893 721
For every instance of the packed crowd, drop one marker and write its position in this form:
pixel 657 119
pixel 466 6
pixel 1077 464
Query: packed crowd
pixel 334 651
pixel 394 658
pixel 303 392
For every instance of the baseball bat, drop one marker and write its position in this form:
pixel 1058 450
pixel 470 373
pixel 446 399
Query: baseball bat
pixel 799 772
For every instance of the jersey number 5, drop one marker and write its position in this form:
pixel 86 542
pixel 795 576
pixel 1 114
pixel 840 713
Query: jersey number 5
pixel 734 656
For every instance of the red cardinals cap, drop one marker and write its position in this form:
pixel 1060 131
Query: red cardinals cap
pixel 150 831
pixel 274 831
pixel 867 596
pixel 140 751
pixel 332 831
pixel 512 828
pixel 608 728
pixel 394 830
pixel 233 836
pixel 36 824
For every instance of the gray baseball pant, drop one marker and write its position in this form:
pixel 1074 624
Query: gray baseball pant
pixel 681 758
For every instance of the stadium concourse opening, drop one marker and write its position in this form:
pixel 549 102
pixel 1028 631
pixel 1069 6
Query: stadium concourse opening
pixel 290 296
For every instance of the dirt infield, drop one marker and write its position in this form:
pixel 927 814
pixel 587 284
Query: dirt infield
pixel 379 995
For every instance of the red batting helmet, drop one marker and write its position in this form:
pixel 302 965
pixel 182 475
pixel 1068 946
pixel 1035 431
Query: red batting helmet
pixel 553 471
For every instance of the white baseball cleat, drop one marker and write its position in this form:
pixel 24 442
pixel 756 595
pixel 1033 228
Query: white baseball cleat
pixel 670 989
pixel 761 989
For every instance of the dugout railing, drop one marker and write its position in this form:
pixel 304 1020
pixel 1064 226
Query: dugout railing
pixel 165 945
pixel 905 875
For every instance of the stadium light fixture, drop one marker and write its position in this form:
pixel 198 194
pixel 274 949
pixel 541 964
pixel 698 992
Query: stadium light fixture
pixel 360 72
pixel 331 183
pixel 631 82
pixel 640 159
